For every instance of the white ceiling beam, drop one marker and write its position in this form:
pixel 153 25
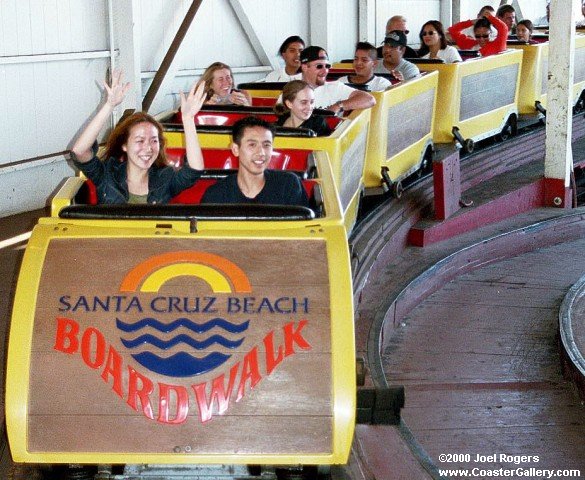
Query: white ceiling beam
pixel 124 22
pixel 366 20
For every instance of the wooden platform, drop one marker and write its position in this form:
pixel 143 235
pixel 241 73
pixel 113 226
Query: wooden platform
pixel 481 366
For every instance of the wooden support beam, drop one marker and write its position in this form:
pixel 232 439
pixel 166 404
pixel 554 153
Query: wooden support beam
pixel 170 56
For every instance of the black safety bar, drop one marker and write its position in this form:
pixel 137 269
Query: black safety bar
pixel 208 211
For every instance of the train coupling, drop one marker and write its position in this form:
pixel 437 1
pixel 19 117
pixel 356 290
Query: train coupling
pixel 468 145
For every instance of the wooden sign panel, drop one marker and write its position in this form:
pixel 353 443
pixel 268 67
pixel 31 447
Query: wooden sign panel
pixel 182 345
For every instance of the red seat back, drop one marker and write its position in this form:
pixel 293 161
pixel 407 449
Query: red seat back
pixel 194 194
pixel 223 158
pixel 264 101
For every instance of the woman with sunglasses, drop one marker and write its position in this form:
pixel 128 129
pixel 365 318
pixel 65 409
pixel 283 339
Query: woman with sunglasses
pixel 434 44
pixel 481 30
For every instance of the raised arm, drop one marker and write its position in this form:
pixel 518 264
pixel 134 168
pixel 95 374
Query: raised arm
pixel 359 99
pixel 499 43
pixel 462 40
pixel 190 106
pixel 115 94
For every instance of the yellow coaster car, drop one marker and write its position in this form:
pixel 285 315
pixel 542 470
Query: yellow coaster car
pixel 184 334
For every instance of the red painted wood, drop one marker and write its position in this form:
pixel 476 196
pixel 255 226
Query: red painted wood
pixel 556 194
pixel 447 185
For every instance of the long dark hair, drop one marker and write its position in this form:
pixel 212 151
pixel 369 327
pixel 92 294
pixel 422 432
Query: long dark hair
pixel 438 26
pixel 119 137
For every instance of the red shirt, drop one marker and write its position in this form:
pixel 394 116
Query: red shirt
pixel 467 43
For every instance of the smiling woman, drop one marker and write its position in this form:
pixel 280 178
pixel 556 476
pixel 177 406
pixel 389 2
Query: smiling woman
pixel 219 83
pixel 133 167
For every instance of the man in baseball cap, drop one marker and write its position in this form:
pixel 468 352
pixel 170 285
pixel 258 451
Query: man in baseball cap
pixel 334 96
pixel 394 63
pixel 398 22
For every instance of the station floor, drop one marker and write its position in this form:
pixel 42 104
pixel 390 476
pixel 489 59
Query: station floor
pixel 479 360
pixel 481 367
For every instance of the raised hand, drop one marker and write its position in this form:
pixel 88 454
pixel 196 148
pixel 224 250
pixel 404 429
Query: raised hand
pixel 116 92
pixel 192 102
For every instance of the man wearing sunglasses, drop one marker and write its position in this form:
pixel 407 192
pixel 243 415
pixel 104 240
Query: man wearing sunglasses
pixel 394 63
pixel 334 96
pixel 398 22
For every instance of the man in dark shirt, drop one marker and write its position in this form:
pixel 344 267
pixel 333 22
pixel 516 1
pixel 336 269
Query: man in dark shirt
pixel 252 144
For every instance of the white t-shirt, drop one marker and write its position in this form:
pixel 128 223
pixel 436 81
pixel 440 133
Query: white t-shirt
pixel 280 75
pixel 376 84
pixel 331 93
pixel 448 55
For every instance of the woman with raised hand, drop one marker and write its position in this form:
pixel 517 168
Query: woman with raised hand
pixel 481 32
pixel 133 166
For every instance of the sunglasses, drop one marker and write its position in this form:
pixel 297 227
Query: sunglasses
pixel 482 36
pixel 320 66
pixel 424 34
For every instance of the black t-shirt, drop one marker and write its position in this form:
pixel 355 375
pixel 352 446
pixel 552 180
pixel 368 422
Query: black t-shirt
pixel 317 123
pixel 281 188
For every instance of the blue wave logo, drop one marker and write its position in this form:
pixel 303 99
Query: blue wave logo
pixel 146 338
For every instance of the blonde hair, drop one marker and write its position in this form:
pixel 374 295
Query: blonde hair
pixel 207 77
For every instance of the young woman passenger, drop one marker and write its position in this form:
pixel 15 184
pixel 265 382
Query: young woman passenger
pixel 434 44
pixel 481 29
pixel 290 51
pixel 133 166
pixel 219 87
pixel 524 30
pixel 296 109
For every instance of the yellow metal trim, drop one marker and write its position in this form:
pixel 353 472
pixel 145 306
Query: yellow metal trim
pixel 65 194
pixel 409 159
pixel 449 97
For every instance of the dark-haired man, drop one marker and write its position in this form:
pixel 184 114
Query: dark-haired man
pixel 507 14
pixel 394 63
pixel 252 143
pixel 365 60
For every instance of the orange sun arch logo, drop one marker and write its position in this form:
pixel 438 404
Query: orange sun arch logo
pixel 222 275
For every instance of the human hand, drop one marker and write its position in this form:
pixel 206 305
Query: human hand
pixel 238 98
pixel 116 92
pixel 397 75
pixel 191 103
pixel 215 99
pixel 336 108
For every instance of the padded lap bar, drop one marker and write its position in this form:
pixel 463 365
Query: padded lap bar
pixel 189 212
